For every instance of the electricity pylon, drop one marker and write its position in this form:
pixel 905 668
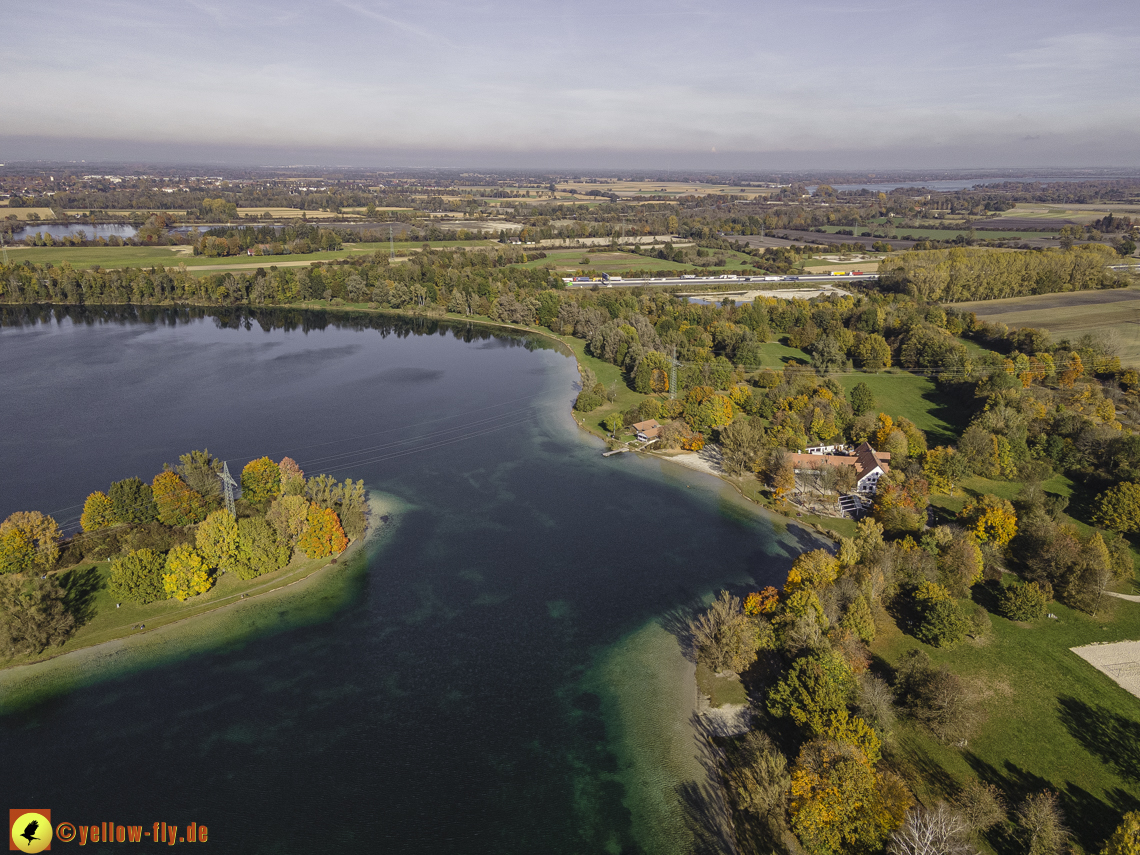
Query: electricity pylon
pixel 228 484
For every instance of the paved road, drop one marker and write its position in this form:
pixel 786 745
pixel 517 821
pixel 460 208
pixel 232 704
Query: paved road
pixel 706 281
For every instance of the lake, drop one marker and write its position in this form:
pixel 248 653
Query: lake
pixel 90 232
pixel 496 673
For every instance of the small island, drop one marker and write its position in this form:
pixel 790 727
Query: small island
pixel 150 554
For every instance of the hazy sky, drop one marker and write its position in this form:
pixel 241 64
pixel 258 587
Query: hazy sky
pixel 668 83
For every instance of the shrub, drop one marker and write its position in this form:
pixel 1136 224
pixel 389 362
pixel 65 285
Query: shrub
pixel 137 576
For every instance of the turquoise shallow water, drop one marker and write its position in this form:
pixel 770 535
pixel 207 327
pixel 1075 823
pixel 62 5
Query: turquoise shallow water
pixel 454 690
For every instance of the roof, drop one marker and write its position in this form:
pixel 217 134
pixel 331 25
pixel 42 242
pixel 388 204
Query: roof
pixel 865 460
pixel 648 428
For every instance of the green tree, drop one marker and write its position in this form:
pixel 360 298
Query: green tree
pixel 872 353
pixel 217 540
pixel 201 471
pixel 942 623
pixel 258 549
pixel 1118 508
pixel 33 614
pixel 292 478
pixel 98 512
pixel 289 516
pixel 862 400
pixel 186 573
pixel 137 576
pixel 815 688
pixel 27 539
pixel 132 501
pixel 613 423
pixel 1024 602
pixel 261 481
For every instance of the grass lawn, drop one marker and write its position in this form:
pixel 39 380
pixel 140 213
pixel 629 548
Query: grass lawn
pixel 900 393
pixel 1051 720
pixel 777 354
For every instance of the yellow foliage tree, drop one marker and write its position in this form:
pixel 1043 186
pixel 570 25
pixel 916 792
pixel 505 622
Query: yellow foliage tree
pixel 186 573
pixel 28 538
pixel 97 512
pixel 886 425
pixel 812 571
pixel 992 520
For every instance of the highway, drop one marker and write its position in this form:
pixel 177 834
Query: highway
pixel 707 281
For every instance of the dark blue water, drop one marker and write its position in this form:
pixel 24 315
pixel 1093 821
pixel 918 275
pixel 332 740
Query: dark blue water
pixel 435 697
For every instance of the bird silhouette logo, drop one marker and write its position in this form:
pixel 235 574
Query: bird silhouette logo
pixel 29 830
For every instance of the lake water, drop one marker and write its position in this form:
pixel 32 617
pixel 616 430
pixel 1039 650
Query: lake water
pixel 484 680
pixel 62 231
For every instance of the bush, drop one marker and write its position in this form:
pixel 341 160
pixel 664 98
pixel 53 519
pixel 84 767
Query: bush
pixel 1024 602
pixel 137 576
pixel 941 621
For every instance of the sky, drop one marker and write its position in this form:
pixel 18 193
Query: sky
pixel 752 85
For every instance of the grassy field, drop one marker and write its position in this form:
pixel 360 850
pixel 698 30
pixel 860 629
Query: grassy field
pixel 24 213
pixel 1112 313
pixel 606 261
pixel 900 393
pixel 1051 720
pixel 287 213
pixel 777 354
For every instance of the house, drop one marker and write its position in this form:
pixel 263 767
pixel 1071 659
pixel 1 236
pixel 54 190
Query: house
pixel 870 465
pixel 647 430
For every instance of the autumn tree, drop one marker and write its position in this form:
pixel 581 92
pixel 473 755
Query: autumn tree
pixel 812 570
pixel 33 614
pixel 725 638
pixel 991 519
pixel 98 512
pixel 28 539
pixel 137 576
pixel 175 502
pixel 292 477
pixel 757 775
pixel 217 540
pixel 1126 839
pixel 872 353
pixel 939 830
pixel 1041 824
pixel 259 550
pixel 132 501
pixel 260 481
pixel 1118 508
pixel 323 535
pixel 201 472
pixel 289 515
pixel 187 574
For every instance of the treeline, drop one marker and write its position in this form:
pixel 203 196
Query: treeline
pixel 954 275
pixel 170 538
pixel 296 239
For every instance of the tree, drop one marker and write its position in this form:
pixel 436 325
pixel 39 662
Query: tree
pixel 289 515
pixel 201 472
pixel 981 804
pixel 813 689
pixel 1118 508
pixel 175 503
pixel 741 444
pixel 98 512
pixel 28 539
pixel 33 614
pixel 1024 602
pixel 942 623
pixel 992 520
pixel 137 576
pixel 258 549
pixel 862 401
pixel 217 540
pixel 758 775
pixel 260 481
pixel 323 535
pixel 812 570
pixel 1042 825
pixel 1126 839
pixel 944 468
pixel 725 638
pixel 935 697
pixel 872 353
pixel 132 501
pixel 859 620
pixel 292 478
pixel 186 573
pixel 932 831
pixel 613 423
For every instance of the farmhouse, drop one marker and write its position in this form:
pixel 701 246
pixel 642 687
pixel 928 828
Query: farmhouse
pixel 647 430
pixel 870 465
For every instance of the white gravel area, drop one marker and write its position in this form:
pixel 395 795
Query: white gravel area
pixel 1120 661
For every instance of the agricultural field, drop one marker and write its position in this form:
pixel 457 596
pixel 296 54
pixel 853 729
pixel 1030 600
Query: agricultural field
pixel 574 260
pixel 1076 213
pixel 111 257
pixel 634 189
pixel 1114 314
pixel 23 213
pixel 287 213
pixel 904 232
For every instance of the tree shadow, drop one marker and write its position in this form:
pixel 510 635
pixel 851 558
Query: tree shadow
pixel 80 585
pixel 1105 734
